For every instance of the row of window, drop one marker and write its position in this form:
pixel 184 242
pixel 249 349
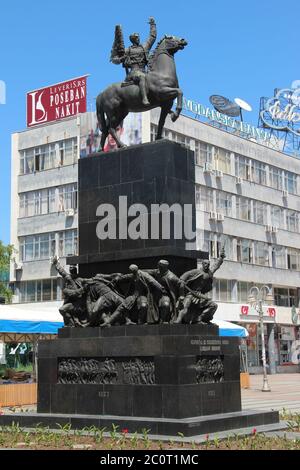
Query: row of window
pixel 251 210
pixel 43 246
pixel 39 291
pixel 243 167
pixel 247 251
pixel 223 291
pixel 48 200
pixel 237 291
pixel 48 156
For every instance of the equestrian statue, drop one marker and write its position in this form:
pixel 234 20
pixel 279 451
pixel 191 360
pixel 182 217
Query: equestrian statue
pixel 151 82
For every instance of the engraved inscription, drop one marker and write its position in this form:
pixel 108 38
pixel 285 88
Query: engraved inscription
pixel 210 369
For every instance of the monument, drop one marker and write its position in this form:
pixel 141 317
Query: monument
pixel 138 349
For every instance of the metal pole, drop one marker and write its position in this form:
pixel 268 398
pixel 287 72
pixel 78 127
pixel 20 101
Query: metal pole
pixel 266 387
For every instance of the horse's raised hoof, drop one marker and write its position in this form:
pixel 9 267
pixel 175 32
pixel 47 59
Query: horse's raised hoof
pixel 174 116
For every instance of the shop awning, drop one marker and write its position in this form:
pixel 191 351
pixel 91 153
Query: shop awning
pixel 230 329
pixel 30 319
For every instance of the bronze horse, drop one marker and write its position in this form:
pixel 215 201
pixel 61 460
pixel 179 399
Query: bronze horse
pixel 117 100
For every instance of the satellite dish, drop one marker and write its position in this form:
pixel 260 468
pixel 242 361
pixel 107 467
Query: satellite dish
pixel 224 105
pixel 243 104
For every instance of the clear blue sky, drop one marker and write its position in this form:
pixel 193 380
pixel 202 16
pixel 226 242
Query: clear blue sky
pixel 236 48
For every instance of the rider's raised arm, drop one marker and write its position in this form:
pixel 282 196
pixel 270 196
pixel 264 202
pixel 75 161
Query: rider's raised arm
pixel 152 36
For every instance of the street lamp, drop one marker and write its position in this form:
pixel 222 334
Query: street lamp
pixel 256 298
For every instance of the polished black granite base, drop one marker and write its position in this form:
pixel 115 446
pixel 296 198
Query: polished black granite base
pixel 168 379
pixel 158 371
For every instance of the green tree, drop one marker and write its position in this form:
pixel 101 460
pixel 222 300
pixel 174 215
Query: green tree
pixel 6 252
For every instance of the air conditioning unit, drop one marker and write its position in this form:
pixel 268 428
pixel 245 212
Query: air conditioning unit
pixel 274 228
pixel 238 180
pixel 213 215
pixel 268 228
pixel 218 173
pixel 69 212
pixel 207 167
pixel 220 217
pixel 285 193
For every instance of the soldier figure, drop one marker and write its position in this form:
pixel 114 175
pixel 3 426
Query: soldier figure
pixel 195 309
pixel 73 309
pixel 174 288
pixel 134 58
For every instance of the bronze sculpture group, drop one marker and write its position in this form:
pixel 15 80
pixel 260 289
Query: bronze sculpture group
pixel 149 296
pixel 151 81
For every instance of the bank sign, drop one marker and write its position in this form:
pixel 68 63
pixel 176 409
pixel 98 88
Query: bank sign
pixel 243 128
pixel 56 102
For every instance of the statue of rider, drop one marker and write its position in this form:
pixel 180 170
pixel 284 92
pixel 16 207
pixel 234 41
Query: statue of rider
pixel 134 58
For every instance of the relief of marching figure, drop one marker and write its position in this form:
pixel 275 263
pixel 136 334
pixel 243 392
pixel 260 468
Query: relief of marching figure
pixel 149 296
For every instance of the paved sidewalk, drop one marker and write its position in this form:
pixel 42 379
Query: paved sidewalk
pixel 285 393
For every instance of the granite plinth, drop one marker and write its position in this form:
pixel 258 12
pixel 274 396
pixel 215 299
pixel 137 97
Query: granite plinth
pixel 151 174
pixel 157 371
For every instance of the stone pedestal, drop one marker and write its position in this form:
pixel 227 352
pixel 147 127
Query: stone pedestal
pixel 158 371
pixel 157 173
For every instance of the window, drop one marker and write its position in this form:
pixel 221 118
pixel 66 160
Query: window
pixel 34 247
pixel 203 153
pixel 68 152
pixel 278 257
pixel 285 297
pixel 67 243
pixel 27 161
pixel 37 202
pixel 223 160
pixel 290 182
pixel 37 159
pixel 259 212
pixel 292 221
pixel 222 290
pixel 258 172
pixel 243 208
pixel 37 291
pixel 204 198
pixel 242 167
pixel 244 251
pixel 243 289
pixel 226 242
pixel 224 203
pixel 68 197
pixel 45 157
pixel 275 178
pixel 293 259
pixel 261 253
pixel 277 216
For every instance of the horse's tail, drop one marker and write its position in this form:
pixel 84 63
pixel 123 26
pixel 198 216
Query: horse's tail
pixel 100 115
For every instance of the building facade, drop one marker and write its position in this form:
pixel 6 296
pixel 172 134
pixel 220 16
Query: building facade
pixel 247 198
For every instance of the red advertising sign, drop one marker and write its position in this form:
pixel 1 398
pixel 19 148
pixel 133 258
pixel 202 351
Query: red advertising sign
pixel 244 309
pixel 271 311
pixel 56 102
